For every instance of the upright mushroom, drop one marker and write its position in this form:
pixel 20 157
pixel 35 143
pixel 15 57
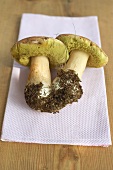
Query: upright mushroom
pixel 83 52
pixel 39 53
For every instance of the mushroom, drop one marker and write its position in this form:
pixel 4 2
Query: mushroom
pixel 39 53
pixel 83 52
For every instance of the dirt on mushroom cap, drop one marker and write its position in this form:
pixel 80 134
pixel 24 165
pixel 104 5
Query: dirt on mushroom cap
pixel 97 57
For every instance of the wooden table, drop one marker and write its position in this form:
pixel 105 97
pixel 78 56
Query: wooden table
pixel 18 156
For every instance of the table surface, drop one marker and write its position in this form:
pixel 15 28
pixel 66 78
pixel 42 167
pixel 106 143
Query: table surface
pixel 19 156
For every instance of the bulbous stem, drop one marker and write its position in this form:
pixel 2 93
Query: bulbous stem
pixel 38 86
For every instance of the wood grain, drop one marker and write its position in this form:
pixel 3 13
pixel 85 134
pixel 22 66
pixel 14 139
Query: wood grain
pixel 19 156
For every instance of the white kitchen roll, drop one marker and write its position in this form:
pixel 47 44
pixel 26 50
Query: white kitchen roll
pixel 83 123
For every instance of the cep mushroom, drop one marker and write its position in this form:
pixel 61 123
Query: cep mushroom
pixel 39 53
pixel 83 52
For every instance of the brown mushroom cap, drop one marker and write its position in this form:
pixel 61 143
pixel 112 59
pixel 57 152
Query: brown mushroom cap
pixel 97 57
pixel 55 50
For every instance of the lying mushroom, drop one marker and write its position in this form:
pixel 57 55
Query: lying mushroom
pixel 39 53
pixel 83 52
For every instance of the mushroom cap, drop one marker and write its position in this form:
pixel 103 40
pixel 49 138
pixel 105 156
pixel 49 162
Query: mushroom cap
pixel 55 50
pixel 97 57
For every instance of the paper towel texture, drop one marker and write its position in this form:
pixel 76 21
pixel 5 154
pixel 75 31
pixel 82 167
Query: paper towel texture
pixel 83 123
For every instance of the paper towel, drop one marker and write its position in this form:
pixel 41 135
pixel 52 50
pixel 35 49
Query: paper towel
pixel 84 123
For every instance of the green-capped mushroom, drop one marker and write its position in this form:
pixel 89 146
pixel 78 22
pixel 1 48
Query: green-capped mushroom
pixel 39 53
pixel 83 52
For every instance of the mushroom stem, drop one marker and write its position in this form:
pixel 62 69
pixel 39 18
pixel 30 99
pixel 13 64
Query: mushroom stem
pixel 67 83
pixel 40 72
pixel 77 62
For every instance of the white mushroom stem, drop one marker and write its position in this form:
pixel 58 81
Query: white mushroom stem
pixel 77 62
pixel 40 72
